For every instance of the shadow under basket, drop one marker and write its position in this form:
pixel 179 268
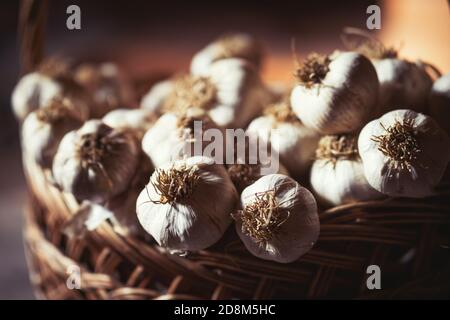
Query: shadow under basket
pixel 408 239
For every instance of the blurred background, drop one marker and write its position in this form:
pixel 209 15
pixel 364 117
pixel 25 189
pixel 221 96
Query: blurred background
pixel 158 37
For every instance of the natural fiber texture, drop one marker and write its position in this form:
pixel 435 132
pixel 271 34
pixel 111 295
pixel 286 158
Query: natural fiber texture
pixel 408 239
pixel 313 70
pixel 337 147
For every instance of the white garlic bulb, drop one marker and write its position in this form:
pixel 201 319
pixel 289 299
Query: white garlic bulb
pixel 337 174
pixel 231 92
pixel 33 91
pixel 44 128
pixel 96 162
pixel 404 153
pixel 278 220
pixel 439 102
pixel 187 204
pixel 108 86
pixel 289 138
pixel 154 99
pixel 337 93
pixel 175 136
pixel 138 120
pixel 402 83
pixel 237 45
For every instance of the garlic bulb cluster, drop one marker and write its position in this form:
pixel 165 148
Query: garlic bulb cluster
pixel 404 153
pixel 439 102
pixel 137 120
pixel 52 79
pixel 44 128
pixel 238 45
pixel 96 162
pixel 176 135
pixel 107 85
pixel 278 220
pixel 231 92
pixel 337 174
pixel 336 93
pixel 289 138
pixel 187 204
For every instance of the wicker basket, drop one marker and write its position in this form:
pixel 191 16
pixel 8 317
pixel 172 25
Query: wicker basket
pixel 408 239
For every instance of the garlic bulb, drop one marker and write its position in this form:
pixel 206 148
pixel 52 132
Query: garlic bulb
pixel 138 120
pixel 404 153
pixel 337 176
pixel 174 136
pixel 154 99
pixel 279 219
pixel 336 94
pixel 402 83
pixel 187 204
pixel 96 162
pixel 237 45
pixel 44 128
pixel 294 143
pixel 107 85
pixel 439 102
pixel 232 93
pixel 33 91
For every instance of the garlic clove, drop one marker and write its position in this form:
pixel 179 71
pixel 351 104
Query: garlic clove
pixel 402 83
pixel 335 95
pixel 279 219
pixel 95 162
pixel 404 153
pixel 237 45
pixel 439 102
pixel 175 207
pixel 44 128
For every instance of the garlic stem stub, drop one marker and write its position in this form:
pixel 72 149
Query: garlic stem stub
pixel 237 45
pixel 187 204
pixel 404 153
pixel 335 94
pixel 289 138
pixel 337 174
pixel 96 162
pixel 439 102
pixel 44 128
pixel 278 220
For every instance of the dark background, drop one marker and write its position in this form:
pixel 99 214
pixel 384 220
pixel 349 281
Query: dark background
pixel 156 37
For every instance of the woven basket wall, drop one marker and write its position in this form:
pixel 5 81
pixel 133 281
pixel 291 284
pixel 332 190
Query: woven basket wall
pixel 408 239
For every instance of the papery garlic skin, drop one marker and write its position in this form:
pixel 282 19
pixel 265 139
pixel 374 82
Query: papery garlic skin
pixel 402 83
pixel 139 120
pixel 298 234
pixel 96 162
pixel 239 45
pixel 344 100
pixel 439 102
pixel 293 142
pixel 154 99
pixel 108 86
pixel 43 129
pixel 33 91
pixel 196 221
pixel 341 183
pixel 418 178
